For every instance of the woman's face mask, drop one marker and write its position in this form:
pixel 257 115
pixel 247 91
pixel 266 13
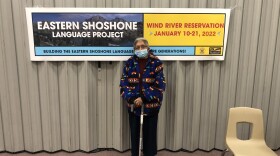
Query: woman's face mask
pixel 141 53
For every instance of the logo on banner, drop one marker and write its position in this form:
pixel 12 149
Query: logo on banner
pixel 202 51
pixel 215 50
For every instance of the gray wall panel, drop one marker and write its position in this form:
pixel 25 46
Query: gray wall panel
pixel 49 103
pixel 11 105
pixel 192 113
pixel 179 4
pixel 170 105
pixel 178 104
pixel 76 105
pixel 102 106
pixel 273 119
pixel 2 143
pixel 84 111
pixel 116 107
pixel 210 88
pixel 28 80
pixel 2 84
pixel 92 105
pixel 140 4
pixel 265 57
pixel 160 3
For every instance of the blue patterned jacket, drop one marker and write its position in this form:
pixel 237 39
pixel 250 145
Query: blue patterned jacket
pixel 153 84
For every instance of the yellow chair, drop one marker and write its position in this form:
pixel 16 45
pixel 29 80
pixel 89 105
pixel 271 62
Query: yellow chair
pixel 256 145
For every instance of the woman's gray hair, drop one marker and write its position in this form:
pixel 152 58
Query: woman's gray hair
pixel 140 39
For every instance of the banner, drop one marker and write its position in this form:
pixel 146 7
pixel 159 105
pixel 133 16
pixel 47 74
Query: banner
pixel 107 34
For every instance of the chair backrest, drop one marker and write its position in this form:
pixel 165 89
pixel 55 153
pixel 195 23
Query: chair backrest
pixel 248 115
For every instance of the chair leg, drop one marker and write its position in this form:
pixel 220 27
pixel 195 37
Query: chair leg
pixel 224 152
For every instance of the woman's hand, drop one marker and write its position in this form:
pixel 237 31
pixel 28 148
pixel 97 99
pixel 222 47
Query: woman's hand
pixel 138 102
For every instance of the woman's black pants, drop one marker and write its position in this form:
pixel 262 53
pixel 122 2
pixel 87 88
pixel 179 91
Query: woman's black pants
pixel 149 134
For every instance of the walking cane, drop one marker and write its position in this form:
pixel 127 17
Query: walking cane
pixel 141 127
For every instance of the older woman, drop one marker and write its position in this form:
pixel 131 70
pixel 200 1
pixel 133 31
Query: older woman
pixel 143 83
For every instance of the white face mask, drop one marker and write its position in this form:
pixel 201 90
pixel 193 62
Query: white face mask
pixel 141 53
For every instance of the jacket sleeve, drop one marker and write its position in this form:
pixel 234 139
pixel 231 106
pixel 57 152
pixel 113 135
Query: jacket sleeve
pixel 156 90
pixel 125 89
